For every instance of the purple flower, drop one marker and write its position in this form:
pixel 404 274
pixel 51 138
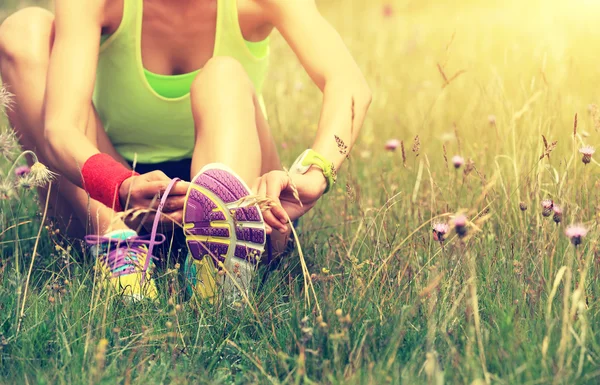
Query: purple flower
pixel 587 152
pixel 575 233
pixel 387 10
pixel 392 144
pixel 458 161
pixel 439 231
pixel 557 214
pixel 460 225
pixel 22 171
pixel 547 205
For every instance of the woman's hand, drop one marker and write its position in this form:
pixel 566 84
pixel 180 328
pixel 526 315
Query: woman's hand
pixel 279 187
pixel 144 192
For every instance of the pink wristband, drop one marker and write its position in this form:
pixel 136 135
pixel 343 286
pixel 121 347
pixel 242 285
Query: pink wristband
pixel 102 178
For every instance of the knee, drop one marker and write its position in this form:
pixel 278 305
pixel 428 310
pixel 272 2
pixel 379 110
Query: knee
pixel 222 73
pixel 26 35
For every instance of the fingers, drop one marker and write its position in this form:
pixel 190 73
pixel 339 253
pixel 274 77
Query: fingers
pixel 180 188
pixel 174 203
pixel 276 183
pixel 156 175
pixel 176 216
pixel 269 186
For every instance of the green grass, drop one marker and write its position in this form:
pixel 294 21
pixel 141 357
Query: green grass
pixel 397 307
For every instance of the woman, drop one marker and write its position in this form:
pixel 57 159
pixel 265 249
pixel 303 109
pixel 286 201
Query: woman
pixel 173 88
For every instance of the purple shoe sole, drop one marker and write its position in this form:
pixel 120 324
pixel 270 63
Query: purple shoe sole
pixel 215 225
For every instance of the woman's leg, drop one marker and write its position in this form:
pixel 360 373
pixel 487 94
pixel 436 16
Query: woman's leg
pixel 26 40
pixel 231 127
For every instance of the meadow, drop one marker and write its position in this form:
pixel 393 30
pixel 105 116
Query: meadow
pixel 446 253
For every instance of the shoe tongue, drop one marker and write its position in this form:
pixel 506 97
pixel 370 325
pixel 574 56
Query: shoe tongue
pixel 121 234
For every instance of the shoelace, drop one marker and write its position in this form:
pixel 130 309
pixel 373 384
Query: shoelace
pixel 121 256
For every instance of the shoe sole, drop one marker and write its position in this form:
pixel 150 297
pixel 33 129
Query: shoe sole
pixel 218 226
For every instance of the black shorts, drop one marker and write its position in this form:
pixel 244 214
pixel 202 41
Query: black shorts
pixel 173 169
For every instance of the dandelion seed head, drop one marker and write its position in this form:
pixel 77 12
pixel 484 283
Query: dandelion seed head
pixel 40 175
pixel 6 98
pixel 8 143
pixel 7 187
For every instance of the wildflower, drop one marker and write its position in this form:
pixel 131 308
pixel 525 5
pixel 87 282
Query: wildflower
pixel 439 231
pixel 39 175
pixel 460 225
pixel 284 145
pixel 547 205
pixel 587 152
pixel 8 142
pixel 523 206
pixel 387 10
pixel 492 119
pixel 6 98
pixel 392 144
pixel 575 233
pixel 458 161
pixel 22 171
pixel 6 188
pixel 557 214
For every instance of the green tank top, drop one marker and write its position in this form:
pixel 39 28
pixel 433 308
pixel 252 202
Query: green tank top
pixel 148 115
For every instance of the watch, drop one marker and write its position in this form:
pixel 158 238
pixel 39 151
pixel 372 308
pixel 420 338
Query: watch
pixel 312 158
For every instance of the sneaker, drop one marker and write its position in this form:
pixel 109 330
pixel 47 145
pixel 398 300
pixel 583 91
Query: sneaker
pixel 125 264
pixel 225 235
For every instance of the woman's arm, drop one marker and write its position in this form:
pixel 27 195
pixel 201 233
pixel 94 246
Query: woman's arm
pixel 346 95
pixel 70 83
pixel 346 98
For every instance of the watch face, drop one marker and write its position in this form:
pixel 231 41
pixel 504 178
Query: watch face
pixel 297 166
